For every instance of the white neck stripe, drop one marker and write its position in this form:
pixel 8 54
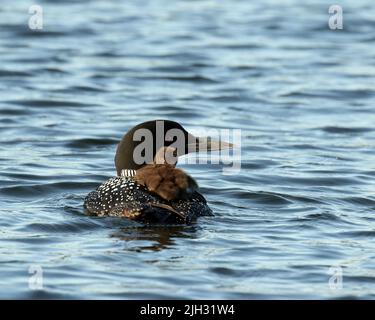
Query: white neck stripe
pixel 128 173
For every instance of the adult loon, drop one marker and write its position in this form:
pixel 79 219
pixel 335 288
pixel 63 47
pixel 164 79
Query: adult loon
pixel 148 187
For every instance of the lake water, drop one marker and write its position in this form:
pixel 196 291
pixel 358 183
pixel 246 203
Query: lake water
pixel 296 220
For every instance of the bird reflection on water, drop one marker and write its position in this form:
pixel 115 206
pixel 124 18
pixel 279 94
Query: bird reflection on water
pixel 153 238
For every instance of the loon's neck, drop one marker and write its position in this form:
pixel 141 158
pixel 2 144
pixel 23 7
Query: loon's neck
pixel 128 173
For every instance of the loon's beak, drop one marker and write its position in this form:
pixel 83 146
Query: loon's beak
pixel 205 144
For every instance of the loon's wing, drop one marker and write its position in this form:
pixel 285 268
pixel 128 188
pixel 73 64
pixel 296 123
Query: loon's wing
pixel 149 213
pixel 183 212
pixel 126 198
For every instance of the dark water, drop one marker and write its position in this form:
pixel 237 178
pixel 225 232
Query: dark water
pixel 302 94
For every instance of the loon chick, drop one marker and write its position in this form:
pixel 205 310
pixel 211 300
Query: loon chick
pixel 151 189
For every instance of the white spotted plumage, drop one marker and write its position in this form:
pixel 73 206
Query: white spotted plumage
pixel 123 196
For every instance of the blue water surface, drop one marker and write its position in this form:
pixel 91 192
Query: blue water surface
pixel 296 220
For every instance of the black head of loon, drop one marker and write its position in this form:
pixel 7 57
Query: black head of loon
pixel 141 143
